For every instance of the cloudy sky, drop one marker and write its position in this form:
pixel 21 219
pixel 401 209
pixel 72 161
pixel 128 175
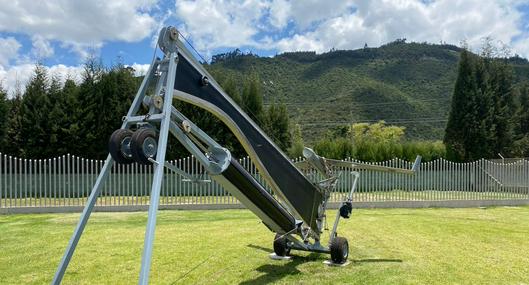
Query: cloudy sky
pixel 62 33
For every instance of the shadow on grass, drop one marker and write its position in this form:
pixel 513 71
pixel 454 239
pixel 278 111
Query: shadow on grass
pixel 367 260
pixel 275 272
pixel 269 250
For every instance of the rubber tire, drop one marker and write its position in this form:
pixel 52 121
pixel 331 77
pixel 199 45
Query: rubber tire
pixel 339 250
pixel 136 145
pixel 281 247
pixel 114 146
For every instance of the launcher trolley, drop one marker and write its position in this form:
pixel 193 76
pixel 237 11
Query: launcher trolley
pixel 297 211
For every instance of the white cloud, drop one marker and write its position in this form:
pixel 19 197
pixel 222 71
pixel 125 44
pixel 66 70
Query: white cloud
pixel 79 23
pixel 41 47
pixel 279 13
pixel 380 21
pixel 213 24
pixel 347 24
pixel 139 69
pixel 20 75
pixel 306 12
pixel 8 50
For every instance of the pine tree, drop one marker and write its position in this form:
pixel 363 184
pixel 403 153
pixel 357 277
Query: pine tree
pixel 4 109
pixel 71 126
pixel 114 92
pixel 56 117
pixel 34 112
pixel 13 143
pixel 90 98
pixel 521 144
pixel 523 111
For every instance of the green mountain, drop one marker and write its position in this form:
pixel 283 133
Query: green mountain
pixel 406 84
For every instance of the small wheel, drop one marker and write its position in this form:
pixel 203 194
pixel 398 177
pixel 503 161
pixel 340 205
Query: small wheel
pixel 339 250
pixel 281 247
pixel 119 146
pixel 144 145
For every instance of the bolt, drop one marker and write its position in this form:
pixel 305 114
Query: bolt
pixel 205 81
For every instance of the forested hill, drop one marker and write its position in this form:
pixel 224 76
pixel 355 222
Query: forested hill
pixel 407 84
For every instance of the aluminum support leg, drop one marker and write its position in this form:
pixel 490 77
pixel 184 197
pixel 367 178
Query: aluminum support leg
pixel 158 172
pixel 107 167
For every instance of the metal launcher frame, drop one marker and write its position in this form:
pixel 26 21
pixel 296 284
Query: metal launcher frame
pixel 297 212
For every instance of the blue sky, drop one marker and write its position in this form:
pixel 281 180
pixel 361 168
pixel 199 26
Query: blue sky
pixel 62 33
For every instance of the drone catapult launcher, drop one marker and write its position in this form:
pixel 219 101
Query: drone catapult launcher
pixel 295 213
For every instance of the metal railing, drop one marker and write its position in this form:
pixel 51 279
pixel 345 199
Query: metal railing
pixel 67 181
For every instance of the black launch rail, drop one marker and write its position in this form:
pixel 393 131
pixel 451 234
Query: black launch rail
pixel 195 85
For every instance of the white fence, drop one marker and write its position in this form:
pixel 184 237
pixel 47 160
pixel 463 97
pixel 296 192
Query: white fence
pixel 68 180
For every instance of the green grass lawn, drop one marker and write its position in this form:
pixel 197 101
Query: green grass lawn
pixel 388 246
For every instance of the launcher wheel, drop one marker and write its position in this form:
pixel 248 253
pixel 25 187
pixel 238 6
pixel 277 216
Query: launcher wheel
pixel 119 146
pixel 339 250
pixel 281 247
pixel 144 145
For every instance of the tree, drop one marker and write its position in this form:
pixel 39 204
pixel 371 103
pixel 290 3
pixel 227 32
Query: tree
pixel 252 100
pixel 500 89
pixel 90 98
pixel 523 111
pixel 277 126
pixel 521 144
pixel 230 88
pixel 4 108
pixel 34 131
pixel 376 133
pixel 12 144
pixel 56 117
pixel 72 125
pixel 105 97
pixel 296 149
pixel 463 132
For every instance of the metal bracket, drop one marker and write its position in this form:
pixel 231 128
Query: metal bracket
pixel 348 198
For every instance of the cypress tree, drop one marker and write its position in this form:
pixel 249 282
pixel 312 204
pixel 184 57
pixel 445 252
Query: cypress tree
pixel 503 108
pixel 460 130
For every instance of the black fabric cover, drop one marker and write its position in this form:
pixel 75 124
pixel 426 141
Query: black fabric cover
pixel 299 191
pixel 256 193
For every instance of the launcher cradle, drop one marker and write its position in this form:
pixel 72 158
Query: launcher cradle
pixel 296 212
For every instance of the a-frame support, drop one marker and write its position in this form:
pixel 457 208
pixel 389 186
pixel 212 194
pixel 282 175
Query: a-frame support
pixel 164 89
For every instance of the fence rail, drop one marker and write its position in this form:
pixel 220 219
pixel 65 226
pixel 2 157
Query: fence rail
pixel 67 181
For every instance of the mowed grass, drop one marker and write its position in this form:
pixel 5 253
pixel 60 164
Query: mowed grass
pixel 388 246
